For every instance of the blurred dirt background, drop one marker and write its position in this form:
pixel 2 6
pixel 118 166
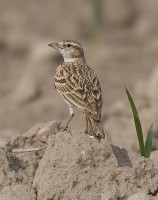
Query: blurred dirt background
pixel 120 39
pixel 121 45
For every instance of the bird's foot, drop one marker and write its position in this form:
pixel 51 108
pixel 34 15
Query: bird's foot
pixel 65 128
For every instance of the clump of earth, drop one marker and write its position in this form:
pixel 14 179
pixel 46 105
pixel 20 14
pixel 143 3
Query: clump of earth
pixel 46 163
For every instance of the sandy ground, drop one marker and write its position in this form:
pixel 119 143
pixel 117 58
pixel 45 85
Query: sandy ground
pixel 125 54
pixel 70 165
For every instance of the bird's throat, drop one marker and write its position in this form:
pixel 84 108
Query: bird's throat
pixel 73 59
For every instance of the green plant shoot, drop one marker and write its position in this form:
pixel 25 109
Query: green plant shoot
pixel 145 148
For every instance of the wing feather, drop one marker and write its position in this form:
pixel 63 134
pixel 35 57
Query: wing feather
pixel 79 85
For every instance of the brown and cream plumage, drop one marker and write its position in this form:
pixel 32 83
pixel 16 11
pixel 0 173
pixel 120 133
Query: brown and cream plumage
pixel 79 86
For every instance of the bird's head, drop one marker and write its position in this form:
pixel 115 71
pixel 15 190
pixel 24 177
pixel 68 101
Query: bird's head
pixel 70 50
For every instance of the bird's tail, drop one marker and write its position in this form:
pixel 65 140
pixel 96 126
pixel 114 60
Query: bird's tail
pixel 95 128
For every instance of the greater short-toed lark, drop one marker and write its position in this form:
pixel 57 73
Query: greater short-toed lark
pixel 79 86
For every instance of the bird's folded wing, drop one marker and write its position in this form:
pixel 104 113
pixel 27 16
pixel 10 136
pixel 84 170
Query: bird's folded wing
pixel 78 94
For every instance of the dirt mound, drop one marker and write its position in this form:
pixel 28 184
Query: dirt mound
pixel 70 165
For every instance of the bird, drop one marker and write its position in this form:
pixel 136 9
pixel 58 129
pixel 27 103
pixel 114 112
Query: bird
pixel 79 86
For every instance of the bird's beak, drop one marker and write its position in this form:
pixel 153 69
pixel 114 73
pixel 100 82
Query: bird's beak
pixel 54 45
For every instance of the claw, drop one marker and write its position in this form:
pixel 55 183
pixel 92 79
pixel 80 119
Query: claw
pixel 64 129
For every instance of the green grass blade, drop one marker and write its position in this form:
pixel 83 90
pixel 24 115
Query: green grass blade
pixel 148 142
pixel 137 124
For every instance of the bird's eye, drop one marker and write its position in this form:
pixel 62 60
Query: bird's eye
pixel 68 45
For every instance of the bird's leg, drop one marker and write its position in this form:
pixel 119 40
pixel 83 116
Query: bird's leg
pixel 71 116
pixel 86 131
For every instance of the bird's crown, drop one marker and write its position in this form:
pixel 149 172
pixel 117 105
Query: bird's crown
pixel 71 43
